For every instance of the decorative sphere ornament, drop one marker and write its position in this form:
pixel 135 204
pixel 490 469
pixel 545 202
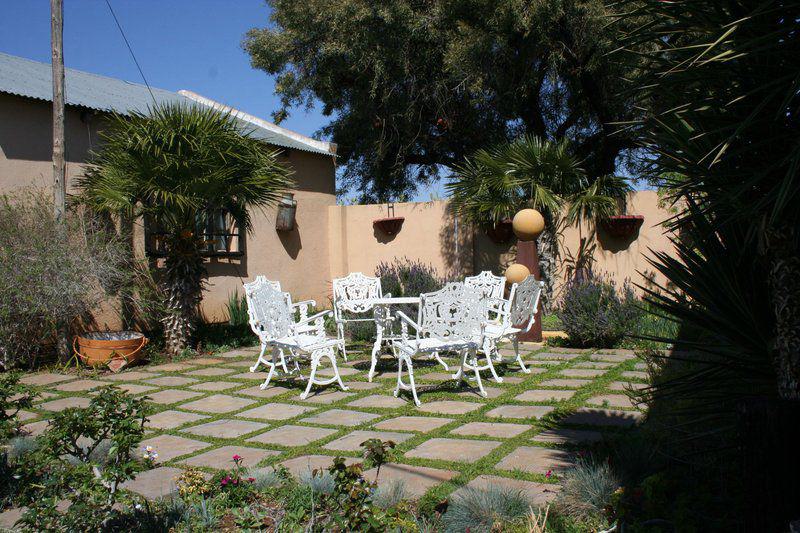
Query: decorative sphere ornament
pixel 516 273
pixel 528 224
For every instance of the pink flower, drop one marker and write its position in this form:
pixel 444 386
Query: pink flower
pixel 251 479
pixel 224 481
pixel 237 457
pixel 548 474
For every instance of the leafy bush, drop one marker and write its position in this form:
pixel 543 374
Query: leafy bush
pixel 237 309
pixel 14 396
pixel 485 510
pixel 587 490
pixel 404 277
pixel 594 314
pixel 47 280
pixel 84 456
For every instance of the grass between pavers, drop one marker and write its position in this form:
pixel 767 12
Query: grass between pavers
pixel 443 391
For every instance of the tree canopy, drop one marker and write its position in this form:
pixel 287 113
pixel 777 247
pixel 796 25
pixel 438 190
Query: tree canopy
pixel 415 86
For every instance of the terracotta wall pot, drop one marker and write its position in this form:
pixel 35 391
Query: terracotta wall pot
pixel 501 232
pixel 389 225
pixel 623 225
pixel 97 348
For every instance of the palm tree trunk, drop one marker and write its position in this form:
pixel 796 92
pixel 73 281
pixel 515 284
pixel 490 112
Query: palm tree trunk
pixel 784 282
pixel 183 287
pixel 548 259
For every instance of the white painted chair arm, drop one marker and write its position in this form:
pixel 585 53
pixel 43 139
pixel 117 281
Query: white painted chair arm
pixel 404 323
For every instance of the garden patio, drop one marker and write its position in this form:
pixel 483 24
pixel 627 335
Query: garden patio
pixel 529 429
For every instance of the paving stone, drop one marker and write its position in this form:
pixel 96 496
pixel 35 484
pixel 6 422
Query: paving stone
pixel 640 366
pixel 569 383
pixel 416 479
pixel 40 396
pixel 169 447
pixel 255 376
pixel 473 392
pixel 610 358
pixel 170 367
pixel 536 460
pixel 363 385
pixel 433 376
pixel 168 396
pixel 241 364
pixel 599 365
pixel 618 351
pixel 634 374
pixel 541 395
pixel 269 392
pixel 327 396
pixel 241 352
pixel 171 381
pixel 340 417
pixel 290 435
pixel 537 362
pixel 218 403
pixel 491 429
pixel 519 411
pixel 214 386
pixel 379 400
pixel 45 378
pixel 309 463
pixel 568 436
pixel 582 373
pixel 346 371
pixel 135 388
pixel 81 385
pixel 64 403
pixel 9 517
pixel 512 380
pixel 564 349
pixel 211 371
pixel 352 441
pixel 458 450
pixel 154 484
pixel 132 375
pixel 550 356
pixel 533 370
pixel 612 400
pixel 602 417
pixel 223 457
pixel 23 415
pixel 538 494
pixel 449 407
pixel 276 411
pixel 171 419
pixel 35 429
pixel 422 424
pixel 226 428
pixel 624 385
pixel 205 361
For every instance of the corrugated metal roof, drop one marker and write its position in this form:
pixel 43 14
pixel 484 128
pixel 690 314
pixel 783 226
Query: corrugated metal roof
pixel 32 79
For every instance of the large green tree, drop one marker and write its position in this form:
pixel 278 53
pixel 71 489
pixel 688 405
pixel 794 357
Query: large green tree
pixel 174 166
pixel 415 86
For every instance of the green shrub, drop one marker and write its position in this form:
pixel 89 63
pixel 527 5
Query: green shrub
pixel 83 457
pixel 587 490
pixel 46 281
pixel 484 510
pixel 237 309
pixel 14 396
pixel 594 314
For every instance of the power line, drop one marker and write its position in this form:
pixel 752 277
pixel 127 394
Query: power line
pixel 128 44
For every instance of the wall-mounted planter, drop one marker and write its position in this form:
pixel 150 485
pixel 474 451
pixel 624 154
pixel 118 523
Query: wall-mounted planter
pixel 623 225
pixel 388 225
pixel 287 208
pixel 501 232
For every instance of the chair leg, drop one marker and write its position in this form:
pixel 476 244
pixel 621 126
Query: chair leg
pixel 312 376
pixel 477 371
pixel 271 366
pixel 283 362
pixel 331 354
pixel 488 348
pixel 340 334
pixel 260 358
pixel 459 375
pixel 440 361
pixel 519 357
pixel 376 348
pixel 411 385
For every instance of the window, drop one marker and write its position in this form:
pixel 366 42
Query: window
pixel 218 229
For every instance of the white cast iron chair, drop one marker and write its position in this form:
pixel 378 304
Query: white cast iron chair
pixel 491 287
pixel 272 316
pixel 352 294
pixel 515 315
pixel 447 321
pixel 299 307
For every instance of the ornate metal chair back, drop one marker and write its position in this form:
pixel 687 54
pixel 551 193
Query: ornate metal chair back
pixel 525 302
pixel 489 285
pixel 269 308
pixel 453 312
pixel 349 290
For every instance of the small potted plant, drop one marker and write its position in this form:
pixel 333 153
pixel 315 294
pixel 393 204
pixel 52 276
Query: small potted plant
pixel 623 226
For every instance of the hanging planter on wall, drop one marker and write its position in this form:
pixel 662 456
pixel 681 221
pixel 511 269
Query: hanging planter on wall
pixel 623 225
pixel 287 208
pixel 389 225
pixel 500 232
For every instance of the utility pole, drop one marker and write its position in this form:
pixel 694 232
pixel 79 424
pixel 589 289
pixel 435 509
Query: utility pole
pixel 59 163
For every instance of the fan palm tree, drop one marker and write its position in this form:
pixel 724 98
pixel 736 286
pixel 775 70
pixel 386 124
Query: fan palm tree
pixel 493 184
pixel 171 167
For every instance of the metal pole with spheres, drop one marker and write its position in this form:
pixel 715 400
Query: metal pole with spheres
pixel 528 224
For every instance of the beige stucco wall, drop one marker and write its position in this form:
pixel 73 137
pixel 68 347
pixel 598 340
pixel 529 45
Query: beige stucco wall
pixel 430 234
pixel 299 259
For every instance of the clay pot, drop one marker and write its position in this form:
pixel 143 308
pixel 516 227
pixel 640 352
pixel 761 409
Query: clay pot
pixel 516 273
pixel 528 224
pixel 98 348
pixel 389 225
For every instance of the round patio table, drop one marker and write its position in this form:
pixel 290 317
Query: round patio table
pixel 383 318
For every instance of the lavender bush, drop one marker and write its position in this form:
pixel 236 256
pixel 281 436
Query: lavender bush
pixel 594 313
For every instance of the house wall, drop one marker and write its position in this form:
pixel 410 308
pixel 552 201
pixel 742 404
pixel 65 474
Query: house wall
pixel 298 258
